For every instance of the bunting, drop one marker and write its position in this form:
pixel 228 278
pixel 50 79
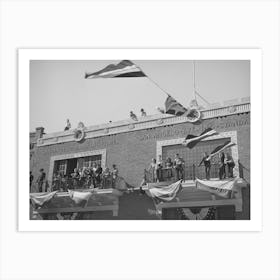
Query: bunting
pixel 166 193
pixel 80 198
pixel 39 199
pixel 221 188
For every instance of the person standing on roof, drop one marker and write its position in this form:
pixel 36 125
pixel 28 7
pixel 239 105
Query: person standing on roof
pixel 133 116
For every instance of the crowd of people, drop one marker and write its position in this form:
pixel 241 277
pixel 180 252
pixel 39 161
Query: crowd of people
pixel 160 170
pixel 156 168
pixel 81 178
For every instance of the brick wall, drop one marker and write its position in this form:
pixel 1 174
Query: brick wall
pixel 133 151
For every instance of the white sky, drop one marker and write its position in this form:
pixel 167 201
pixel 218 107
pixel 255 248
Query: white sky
pixel 59 91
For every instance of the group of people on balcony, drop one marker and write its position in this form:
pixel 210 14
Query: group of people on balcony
pixel 156 168
pixel 87 177
pixel 176 168
pixel 225 160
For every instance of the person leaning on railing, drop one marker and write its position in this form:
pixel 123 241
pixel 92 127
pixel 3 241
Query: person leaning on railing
pixel 106 178
pixel 179 167
pixel 222 166
pixel 230 164
pixel 168 166
pixel 207 164
pixel 76 178
pixel 115 174
pixel 153 170
pixel 159 169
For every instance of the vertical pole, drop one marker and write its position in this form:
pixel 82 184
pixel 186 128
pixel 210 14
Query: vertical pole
pixel 194 93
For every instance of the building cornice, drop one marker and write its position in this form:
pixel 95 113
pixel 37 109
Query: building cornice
pixel 143 123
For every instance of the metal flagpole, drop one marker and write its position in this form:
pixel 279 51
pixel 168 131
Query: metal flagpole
pixel 194 87
pixel 202 98
pixel 152 80
pixel 194 90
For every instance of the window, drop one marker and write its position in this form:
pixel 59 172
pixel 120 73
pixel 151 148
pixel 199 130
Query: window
pixel 89 161
pixel 61 166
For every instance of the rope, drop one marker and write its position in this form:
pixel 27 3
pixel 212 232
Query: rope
pixel 155 83
pixel 202 98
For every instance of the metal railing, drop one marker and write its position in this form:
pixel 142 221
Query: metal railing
pixel 190 172
pixel 101 181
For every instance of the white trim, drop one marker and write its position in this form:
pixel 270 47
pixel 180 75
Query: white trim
pixel 143 123
pixel 101 152
pixel 228 134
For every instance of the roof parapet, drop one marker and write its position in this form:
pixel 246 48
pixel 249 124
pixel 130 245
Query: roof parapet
pixel 151 121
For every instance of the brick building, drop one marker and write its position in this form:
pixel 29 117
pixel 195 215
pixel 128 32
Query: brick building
pixel 131 145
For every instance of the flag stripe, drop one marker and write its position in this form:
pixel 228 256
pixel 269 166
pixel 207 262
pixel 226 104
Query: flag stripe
pixel 173 107
pixel 220 148
pixel 192 140
pixel 131 75
pixel 112 71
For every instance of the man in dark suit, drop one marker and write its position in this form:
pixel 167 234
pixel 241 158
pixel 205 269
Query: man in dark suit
pixel 206 160
pixel 41 180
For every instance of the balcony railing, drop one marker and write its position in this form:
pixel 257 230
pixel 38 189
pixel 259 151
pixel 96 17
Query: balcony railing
pixel 190 172
pixel 65 183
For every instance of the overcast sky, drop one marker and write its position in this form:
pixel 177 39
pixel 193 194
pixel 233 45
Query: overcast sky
pixel 59 91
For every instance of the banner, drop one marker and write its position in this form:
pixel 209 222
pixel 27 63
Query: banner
pixel 79 197
pixel 40 199
pixel 166 193
pixel 221 188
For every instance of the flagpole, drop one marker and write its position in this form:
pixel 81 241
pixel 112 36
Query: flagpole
pixel 194 90
pixel 155 83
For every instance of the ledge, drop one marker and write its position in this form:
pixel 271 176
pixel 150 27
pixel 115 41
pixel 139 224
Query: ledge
pixel 143 123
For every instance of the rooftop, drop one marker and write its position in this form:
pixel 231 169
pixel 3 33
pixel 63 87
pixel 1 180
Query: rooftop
pixel 230 107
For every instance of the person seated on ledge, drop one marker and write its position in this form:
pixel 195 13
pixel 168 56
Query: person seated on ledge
pixel 143 113
pixel 133 116
pixel 68 125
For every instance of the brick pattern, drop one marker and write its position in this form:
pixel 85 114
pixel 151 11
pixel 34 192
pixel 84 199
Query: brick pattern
pixel 132 151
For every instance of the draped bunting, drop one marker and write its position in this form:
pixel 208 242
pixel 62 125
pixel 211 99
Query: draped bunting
pixel 221 188
pixel 40 199
pixel 166 193
pixel 79 197
pixel 205 213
